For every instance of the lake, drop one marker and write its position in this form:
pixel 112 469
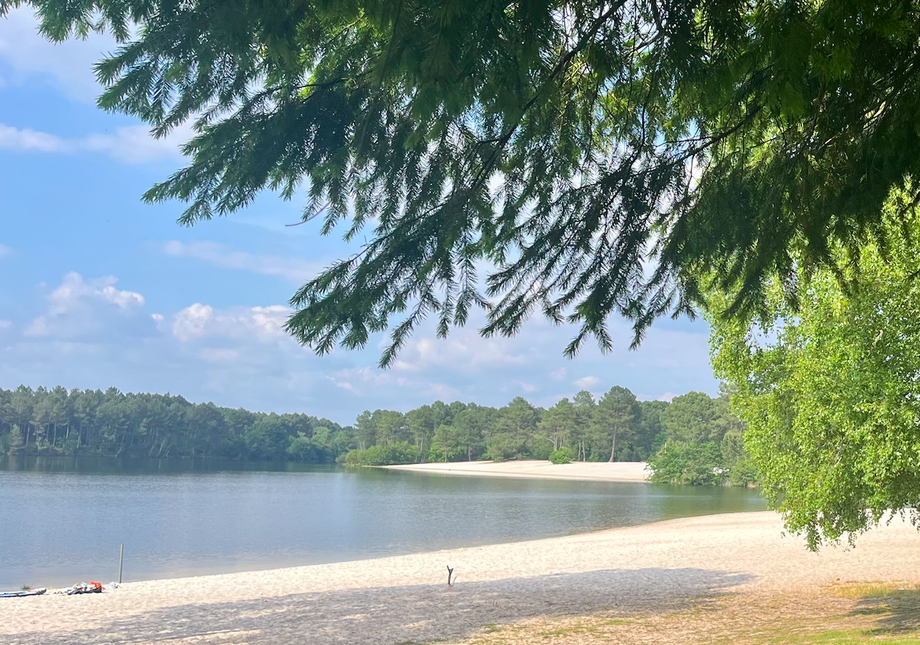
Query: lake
pixel 62 519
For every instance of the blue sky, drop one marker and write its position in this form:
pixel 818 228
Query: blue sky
pixel 98 289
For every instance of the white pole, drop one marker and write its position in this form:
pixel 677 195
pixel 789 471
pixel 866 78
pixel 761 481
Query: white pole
pixel 121 563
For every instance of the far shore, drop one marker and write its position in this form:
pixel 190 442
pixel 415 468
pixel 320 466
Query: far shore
pixel 621 471
pixel 635 573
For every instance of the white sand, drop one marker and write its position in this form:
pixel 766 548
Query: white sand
pixel 624 471
pixel 657 567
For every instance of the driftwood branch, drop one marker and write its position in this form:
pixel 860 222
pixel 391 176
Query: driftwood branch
pixel 450 572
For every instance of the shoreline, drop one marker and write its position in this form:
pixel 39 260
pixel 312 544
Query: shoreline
pixel 620 471
pixel 648 568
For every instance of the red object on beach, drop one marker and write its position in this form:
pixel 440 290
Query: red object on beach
pixel 95 587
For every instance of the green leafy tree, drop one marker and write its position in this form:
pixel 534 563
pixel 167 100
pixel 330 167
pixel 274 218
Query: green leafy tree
pixel 614 414
pixel 366 430
pixel 829 385
pixel 445 446
pixel 390 426
pixel 558 422
pixel 692 417
pixel 473 426
pixel 517 423
pixel 564 455
pixel 649 430
pixel 584 406
pixel 303 448
pixel 694 463
pixel 565 143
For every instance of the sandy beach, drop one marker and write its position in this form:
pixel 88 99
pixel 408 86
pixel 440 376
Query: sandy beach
pixel 633 471
pixel 645 570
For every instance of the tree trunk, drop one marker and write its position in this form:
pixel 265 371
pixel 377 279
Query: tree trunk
pixel 613 448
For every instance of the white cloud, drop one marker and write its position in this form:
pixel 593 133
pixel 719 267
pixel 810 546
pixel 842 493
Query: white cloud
pixel 29 140
pixel 5 324
pixel 79 307
pixel 345 385
pixel 667 396
pixel 444 392
pixel 67 66
pixel 129 144
pixel 29 59
pixel 558 375
pixel 38 327
pixel 263 324
pixel 5 251
pixel 134 144
pixel 586 382
pixel 528 388
pixel 219 255
pixel 464 351
pixel 74 290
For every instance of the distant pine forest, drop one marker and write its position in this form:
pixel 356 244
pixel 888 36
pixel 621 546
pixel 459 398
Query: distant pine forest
pixel 694 439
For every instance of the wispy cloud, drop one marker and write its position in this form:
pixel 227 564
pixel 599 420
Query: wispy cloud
pixel 219 255
pixel 586 382
pixel 5 251
pixel 129 144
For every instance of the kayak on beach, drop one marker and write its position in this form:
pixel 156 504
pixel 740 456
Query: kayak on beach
pixel 23 593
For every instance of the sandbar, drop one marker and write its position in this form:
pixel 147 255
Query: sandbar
pixel 623 471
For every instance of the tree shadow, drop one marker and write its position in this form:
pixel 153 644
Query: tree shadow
pixel 897 611
pixel 409 614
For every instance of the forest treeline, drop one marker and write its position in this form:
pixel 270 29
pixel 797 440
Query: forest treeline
pixel 694 439
pixel 112 423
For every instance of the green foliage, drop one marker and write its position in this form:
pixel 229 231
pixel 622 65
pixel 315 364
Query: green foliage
pixel 384 455
pixel 829 385
pixel 693 463
pixel 564 455
pixel 615 413
pixel 502 446
pixel 565 143
pixel 743 472
pixel 112 423
pixel 541 448
pixel 732 448
pixel 582 428
pixel 445 445
pixel 705 443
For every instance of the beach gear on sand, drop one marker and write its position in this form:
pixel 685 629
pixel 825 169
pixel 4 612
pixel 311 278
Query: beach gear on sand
pixel 83 587
pixel 23 593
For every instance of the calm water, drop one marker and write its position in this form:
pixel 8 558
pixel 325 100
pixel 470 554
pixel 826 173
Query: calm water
pixel 62 520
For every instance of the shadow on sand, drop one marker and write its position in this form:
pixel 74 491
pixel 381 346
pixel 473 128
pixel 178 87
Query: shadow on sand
pixel 409 614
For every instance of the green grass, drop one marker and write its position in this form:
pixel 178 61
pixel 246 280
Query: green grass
pixel 892 608
pixel 850 637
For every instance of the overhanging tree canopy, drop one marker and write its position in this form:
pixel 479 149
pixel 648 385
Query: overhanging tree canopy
pixel 598 155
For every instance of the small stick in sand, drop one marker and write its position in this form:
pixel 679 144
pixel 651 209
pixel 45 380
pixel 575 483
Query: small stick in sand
pixel 450 572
